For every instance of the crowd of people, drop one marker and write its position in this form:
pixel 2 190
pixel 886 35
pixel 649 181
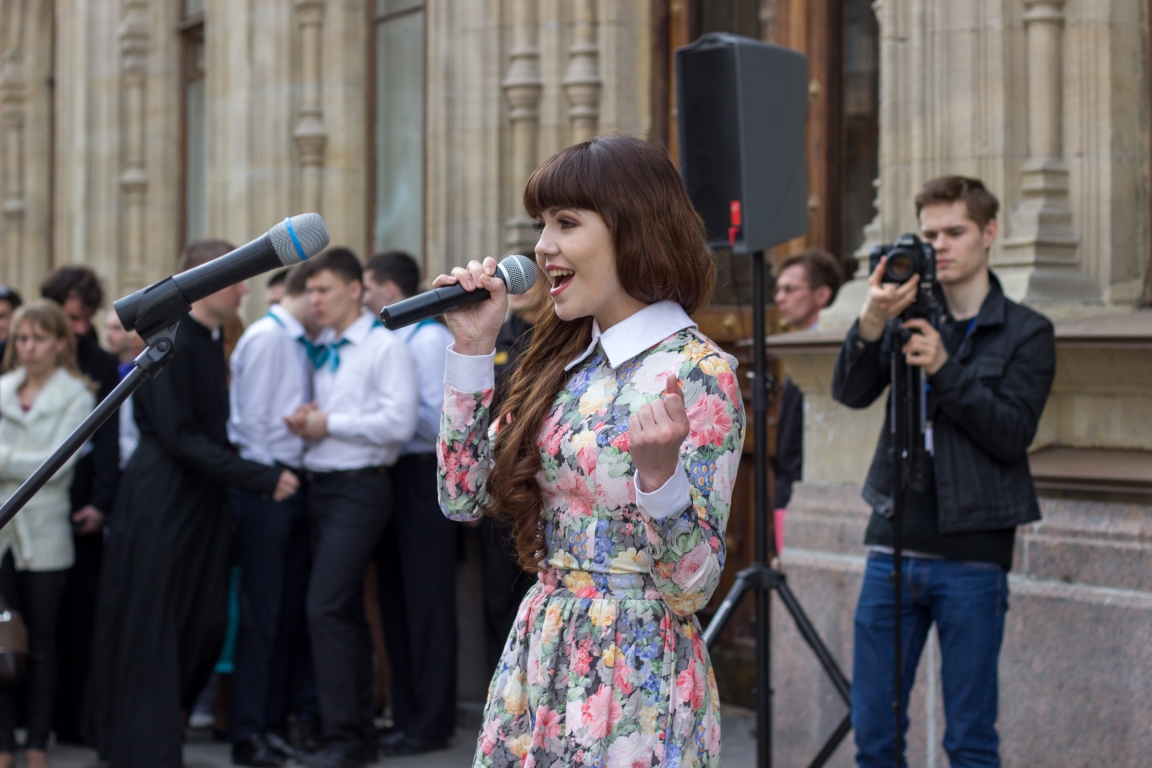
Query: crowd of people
pixel 594 439
pixel 273 473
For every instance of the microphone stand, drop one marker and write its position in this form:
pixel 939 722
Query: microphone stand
pixel 161 347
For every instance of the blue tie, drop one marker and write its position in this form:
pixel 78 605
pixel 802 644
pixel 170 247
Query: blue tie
pixel 327 353
pixel 317 353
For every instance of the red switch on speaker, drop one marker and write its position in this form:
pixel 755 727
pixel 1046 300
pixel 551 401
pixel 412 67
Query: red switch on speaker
pixel 735 221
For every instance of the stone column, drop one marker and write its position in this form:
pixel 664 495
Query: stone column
pixel 310 135
pixel 133 173
pixel 1040 255
pixel 12 117
pixel 12 125
pixel 582 80
pixel 522 88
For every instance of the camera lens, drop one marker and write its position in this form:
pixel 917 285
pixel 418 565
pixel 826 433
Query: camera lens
pixel 899 267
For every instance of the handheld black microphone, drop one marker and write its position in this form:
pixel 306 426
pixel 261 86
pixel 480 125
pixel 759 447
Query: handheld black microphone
pixel 291 241
pixel 517 272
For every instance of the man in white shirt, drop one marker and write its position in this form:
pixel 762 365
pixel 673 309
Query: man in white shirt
pixel 416 555
pixel 271 378
pixel 365 408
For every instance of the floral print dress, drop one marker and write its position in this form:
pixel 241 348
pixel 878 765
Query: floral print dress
pixel 605 665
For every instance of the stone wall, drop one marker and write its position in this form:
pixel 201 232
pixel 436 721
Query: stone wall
pixel 509 84
pixel 1047 101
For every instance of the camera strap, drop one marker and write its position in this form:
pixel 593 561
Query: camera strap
pixel 929 443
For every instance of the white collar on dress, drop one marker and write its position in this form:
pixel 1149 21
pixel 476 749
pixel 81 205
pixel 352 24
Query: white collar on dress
pixel 636 333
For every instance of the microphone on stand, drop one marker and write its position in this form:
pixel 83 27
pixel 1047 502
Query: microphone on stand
pixel 517 272
pixel 291 241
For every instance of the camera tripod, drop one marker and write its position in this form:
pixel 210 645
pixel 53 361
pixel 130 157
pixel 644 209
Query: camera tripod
pixel 910 433
pixel 760 577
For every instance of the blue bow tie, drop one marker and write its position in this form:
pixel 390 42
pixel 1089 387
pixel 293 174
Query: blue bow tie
pixel 321 354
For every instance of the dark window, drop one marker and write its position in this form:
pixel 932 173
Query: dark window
pixel 398 134
pixel 194 210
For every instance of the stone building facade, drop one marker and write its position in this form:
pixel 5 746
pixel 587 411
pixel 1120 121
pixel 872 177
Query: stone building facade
pixel 130 126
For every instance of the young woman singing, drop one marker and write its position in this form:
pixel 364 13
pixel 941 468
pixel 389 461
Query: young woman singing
pixel 613 457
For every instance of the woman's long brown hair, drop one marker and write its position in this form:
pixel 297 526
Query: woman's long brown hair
pixel 661 254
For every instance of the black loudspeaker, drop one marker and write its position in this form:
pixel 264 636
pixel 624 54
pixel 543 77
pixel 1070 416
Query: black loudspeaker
pixel 742 105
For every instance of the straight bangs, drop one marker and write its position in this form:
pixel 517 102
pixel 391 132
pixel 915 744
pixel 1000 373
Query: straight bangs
pixel 568 179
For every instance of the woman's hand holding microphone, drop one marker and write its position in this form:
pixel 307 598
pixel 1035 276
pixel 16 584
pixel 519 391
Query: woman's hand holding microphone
pixel 476 326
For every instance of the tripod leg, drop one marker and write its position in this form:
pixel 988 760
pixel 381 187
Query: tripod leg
pixel 823 655
pixel 724 612
pixel 833 742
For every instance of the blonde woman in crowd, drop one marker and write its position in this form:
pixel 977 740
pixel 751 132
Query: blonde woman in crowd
pixel 43 398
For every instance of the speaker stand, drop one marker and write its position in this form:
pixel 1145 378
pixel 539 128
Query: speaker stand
pixel 760 577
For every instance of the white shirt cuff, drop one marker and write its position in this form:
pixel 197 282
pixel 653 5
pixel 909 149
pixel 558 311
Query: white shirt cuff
pixel 670 498
pixel 469 373
pixel 340 424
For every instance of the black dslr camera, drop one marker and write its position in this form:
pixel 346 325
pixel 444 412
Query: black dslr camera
pixel 913 446
pixel 908 256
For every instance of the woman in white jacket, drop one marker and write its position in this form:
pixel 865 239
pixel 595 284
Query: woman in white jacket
pixel 43 398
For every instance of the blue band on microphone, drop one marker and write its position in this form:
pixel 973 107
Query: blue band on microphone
pixel 295 240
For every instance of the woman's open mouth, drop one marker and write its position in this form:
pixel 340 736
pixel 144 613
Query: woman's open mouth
pixel 560 279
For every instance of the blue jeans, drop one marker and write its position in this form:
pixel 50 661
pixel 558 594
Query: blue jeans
pixel 967 601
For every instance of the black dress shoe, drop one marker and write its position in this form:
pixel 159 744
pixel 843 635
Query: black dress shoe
pixel 308 734
pixel 280 746
pixel 414 745
pixel 337 756
pixel 255 752
pixel 389 736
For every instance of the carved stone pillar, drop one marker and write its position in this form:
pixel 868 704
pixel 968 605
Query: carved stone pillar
pixel 310 134
pixel 12 119
pixel 1040 255
pixel 12 125
pixel 582 81
pixel 522 88
pixel 133 173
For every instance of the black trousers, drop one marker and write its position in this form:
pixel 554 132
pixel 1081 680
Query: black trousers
pixel 273 551
pixel 36 595
pixel 348 513
pixel 415 564
pixel 74 631
pixel 505 583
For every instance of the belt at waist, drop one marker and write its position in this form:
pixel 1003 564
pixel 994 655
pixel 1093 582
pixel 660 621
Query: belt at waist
pixel 344 474
pixel 595 585
pixel 417 457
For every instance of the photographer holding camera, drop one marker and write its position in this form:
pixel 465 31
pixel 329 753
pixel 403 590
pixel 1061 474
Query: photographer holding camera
pixel 988 366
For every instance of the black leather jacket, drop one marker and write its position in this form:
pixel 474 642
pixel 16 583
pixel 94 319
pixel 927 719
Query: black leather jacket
pixel 985 403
